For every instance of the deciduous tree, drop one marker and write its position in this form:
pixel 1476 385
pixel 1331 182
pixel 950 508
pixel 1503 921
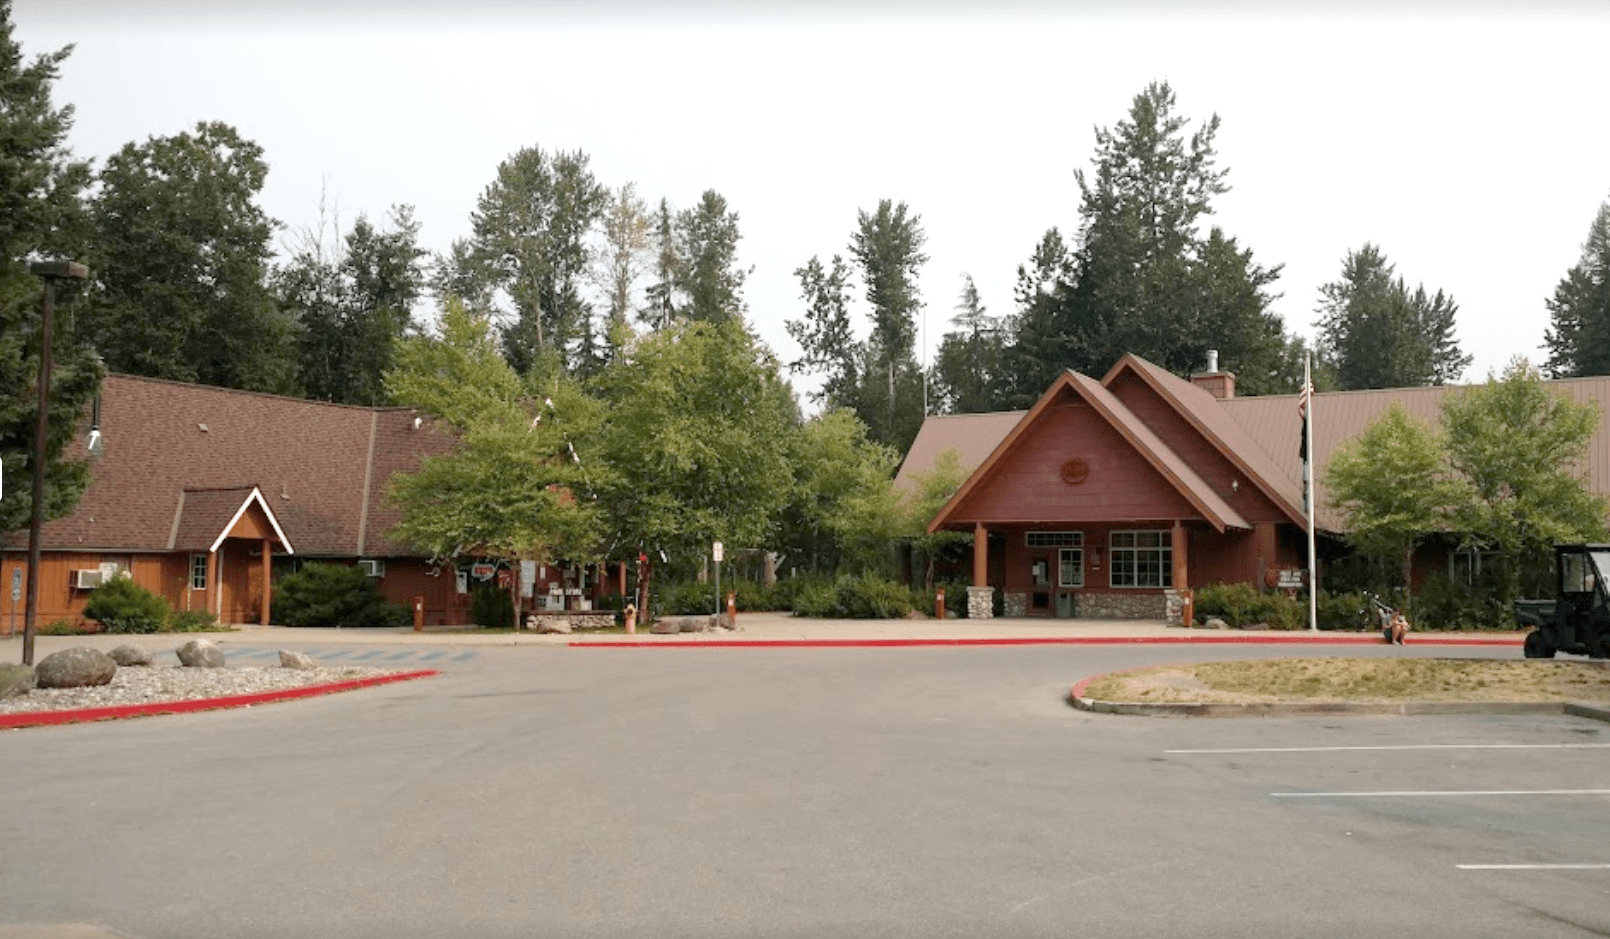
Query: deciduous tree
pixel 513 488
pixel 1394 485
pixel 530 250
pixel 1519 444
pixel 182 264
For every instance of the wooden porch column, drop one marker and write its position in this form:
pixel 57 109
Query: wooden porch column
pixel 1181 562
pixel 621 570
pixel 980 555
pixel 215 591
pixel 268 587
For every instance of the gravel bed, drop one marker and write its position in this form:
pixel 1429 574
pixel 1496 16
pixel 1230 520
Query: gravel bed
pixel 159 684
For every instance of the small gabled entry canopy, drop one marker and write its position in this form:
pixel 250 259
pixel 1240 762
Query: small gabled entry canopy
pixel 206 517
pixel 1076 429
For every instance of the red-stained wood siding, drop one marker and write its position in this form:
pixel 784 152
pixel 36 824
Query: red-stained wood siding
pixel 1197 452
pixel 1027 485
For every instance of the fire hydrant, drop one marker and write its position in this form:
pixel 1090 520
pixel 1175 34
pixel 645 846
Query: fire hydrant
pixel 631 618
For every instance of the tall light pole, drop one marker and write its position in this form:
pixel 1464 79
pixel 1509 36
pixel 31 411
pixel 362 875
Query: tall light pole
pixel 50 271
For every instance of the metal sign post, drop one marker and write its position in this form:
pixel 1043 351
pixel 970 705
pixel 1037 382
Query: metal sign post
pixel 718 551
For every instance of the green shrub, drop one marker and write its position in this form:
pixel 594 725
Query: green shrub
pixel 1351 611
pixel 1241 604
pixel 191 621
pixel 58 627
pixel 491 607
pixel 687 598
pixel 122 606
pixel 858 596
pixel 1443 604
pixel 333 595
pixel 785 595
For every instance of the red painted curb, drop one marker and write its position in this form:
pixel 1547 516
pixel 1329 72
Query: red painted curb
pixel 43 718
pixel 1261 639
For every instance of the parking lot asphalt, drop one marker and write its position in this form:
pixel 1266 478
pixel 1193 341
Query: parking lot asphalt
pixel 938 791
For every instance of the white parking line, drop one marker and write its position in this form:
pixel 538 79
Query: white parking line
pixel 1533 865
pixel 1444 792
pixel 1412 746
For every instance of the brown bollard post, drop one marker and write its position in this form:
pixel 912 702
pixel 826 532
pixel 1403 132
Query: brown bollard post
pixel 419 614
pixel 732 609
pixel 939 603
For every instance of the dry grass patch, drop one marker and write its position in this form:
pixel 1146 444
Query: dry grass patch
pixel 1364 680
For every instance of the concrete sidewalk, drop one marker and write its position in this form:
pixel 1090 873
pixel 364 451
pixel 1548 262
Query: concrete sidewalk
pixel 765 628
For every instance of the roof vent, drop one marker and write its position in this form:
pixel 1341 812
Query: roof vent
pixel 1213 361
pixel 203 427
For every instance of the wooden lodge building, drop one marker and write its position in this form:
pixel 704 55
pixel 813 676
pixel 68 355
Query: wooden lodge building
pixel 1107 497
pixel 207 496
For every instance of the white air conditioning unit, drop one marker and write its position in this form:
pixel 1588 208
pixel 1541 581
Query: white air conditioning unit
pixel 87 579
pixel 372 568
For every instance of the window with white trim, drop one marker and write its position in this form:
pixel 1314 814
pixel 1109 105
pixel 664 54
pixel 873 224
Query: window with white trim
pixel 1071 567
pixel 1141 559
pixel 1054 539
pixel 198 572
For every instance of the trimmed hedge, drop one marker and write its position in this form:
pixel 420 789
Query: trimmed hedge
pixel 333 595
pixel 122 606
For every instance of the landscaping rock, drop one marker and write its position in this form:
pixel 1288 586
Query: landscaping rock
pixel 666 627
pixel 292 659
pixel 15 679
pixel 723 621
pixel 1216 623
pixel 199 653
pixel 74 668
pixel 132 655
pixel 691 624
pixel 553 624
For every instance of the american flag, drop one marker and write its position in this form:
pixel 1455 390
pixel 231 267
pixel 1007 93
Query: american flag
pixel 1302 408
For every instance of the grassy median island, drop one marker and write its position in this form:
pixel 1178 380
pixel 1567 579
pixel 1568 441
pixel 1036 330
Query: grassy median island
pixel 1361 680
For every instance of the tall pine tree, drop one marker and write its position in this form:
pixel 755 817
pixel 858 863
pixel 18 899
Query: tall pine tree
pixel 41 217
pixel 1578 338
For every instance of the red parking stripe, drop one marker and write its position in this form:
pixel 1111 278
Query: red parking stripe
pixel 40 718
pixel 1261 639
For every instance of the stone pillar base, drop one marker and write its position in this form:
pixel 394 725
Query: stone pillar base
pixel 1178 606
pixel 980 602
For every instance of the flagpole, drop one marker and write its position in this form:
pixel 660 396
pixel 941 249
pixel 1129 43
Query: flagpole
pixel 1308 494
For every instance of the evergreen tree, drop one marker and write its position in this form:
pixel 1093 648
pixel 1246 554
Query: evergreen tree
pixel 664 296
pixel 354 305
pixel 1579 336
pixel 967 368
pixel 628 240
pixel 41 217
pixel 707 235
pixel 1378 334
pixel 1142 278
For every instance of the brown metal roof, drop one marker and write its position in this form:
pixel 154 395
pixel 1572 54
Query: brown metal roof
pixel 320 467
pixel 973 436
pixel 1208 415
pixel 1266 428
pixel 1185 480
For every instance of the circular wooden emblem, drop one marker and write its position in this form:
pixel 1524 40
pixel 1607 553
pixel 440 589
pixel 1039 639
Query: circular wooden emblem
pixel 1075 471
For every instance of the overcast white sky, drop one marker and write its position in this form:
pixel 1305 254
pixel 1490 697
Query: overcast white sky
pixel 1468 140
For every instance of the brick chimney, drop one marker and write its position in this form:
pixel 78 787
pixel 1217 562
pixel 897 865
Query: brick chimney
pixel 1219 384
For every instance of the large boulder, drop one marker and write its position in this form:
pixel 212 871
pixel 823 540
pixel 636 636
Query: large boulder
pixel 75 668
pixel 15 679
pixel 292 659
pixel 692 624
pixel 666 627
pixel 553 625
pixel 132 655
pixel 199 653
